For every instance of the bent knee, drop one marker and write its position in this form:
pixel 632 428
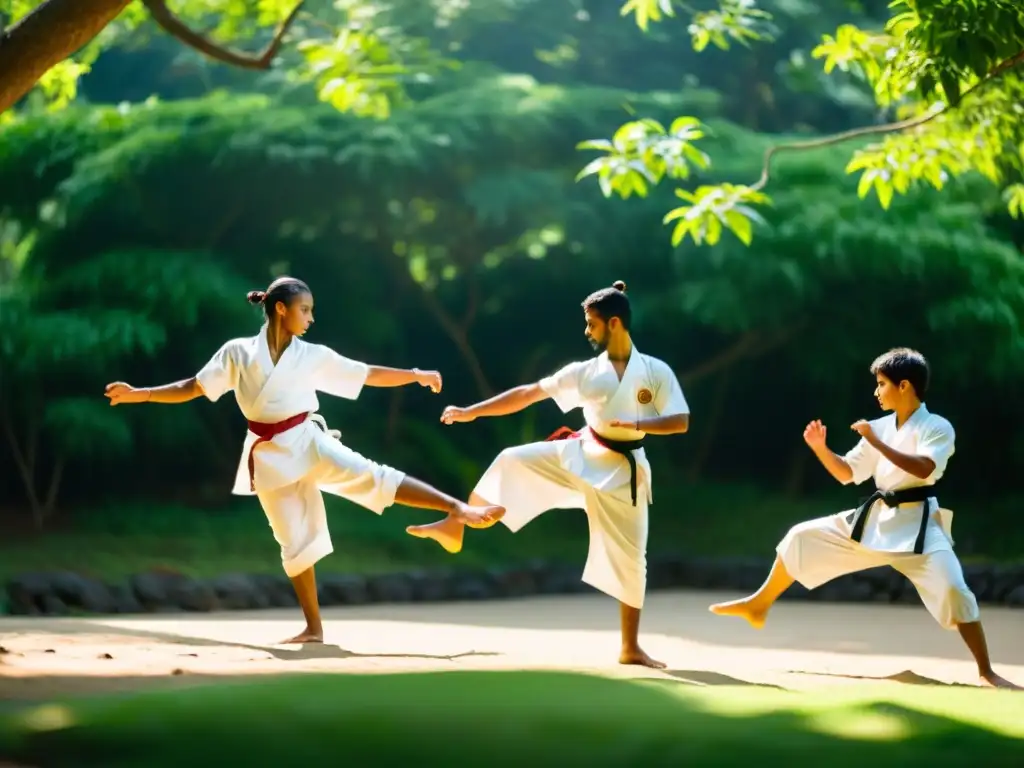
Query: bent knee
pixel 801 533
pixel 953 606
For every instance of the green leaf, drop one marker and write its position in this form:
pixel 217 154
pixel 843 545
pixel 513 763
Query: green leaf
pixel 740 226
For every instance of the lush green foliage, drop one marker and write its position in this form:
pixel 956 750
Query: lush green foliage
pixel 439 230
pixel 956 98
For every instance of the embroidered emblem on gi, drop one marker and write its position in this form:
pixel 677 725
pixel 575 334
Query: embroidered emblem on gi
pixel 644 396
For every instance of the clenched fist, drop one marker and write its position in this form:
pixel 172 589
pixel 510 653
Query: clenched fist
pixel 120 393
pixel 430 379
pixel 455 415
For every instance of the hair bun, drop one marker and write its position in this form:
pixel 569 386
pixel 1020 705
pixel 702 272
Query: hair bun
pixel 618 285
pixel 256 297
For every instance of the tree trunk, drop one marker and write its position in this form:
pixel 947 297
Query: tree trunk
pixel 54 31
pixel 25 460
pixel 50 503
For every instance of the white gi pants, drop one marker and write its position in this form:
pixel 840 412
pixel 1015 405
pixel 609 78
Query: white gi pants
pixel 297 514
pixel 528 480
pixel 819 550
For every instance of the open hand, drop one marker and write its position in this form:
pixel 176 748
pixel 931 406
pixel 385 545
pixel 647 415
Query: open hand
pixel 814 434
pixel 863 428
pixel 120 393
pixel 455 415
pixel 430 379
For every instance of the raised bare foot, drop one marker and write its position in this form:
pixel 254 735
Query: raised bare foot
pixel 306 636
pixel 744 609
pixel 991 680
pixel 636 656
pixel 447 532
pixel 480 517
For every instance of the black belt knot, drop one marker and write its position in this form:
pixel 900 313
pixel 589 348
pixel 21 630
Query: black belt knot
pixel 923 493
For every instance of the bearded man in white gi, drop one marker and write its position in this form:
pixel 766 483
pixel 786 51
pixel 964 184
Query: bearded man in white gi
pixel 602 468
pixel 901 524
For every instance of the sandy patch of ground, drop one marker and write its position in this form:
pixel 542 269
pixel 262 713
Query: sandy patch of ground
pixel 804 645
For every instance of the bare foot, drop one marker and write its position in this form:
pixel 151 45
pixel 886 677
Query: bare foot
pixel 480 517
pixel 744 609
pixel 636 656
pixel 306 636
pixel 991 680
pixel 447 532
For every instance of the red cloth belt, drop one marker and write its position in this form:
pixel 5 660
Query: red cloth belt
pixel 265 432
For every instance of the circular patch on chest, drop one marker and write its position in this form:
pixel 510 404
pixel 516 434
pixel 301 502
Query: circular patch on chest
pixel 644 396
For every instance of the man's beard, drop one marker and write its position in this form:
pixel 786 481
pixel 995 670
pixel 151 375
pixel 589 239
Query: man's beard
pixel 599 346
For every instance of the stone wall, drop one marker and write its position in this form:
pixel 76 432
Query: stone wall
pixel 64 593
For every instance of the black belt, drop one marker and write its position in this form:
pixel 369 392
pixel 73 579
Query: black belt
pixel 891 499
pixel 624 448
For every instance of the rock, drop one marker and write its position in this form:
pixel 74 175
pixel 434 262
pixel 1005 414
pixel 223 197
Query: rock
pixel 474 586
pixel 980 579
pixel 555 578
pixel 846 589
pixel 343 589
pixel 193 595
pixel 390 588
pixel 237 592
pixel 1005 579
pixel 276 589
pixel 798 591
pixel 432 586
pixel 77 591
pixel 123 599
pixel 1015 598
pixel 666 572
pixel 153 589
pixel 25 594
pixel 513 582
pixel 53 606
pixel 37 593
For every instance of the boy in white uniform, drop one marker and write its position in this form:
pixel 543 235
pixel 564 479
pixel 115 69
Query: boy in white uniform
pixel 900 525
pixel 289 457
pixel 602 468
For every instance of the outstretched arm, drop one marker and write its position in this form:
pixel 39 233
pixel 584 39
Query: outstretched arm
pixel 511 401
pixel 381 376
pixel 120 393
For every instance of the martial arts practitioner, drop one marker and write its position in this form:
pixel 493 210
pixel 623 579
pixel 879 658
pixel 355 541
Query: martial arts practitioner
pixel 602 468
pixel 289 456
pixel 900 524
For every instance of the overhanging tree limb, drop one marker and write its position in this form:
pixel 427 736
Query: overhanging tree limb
pixel 870 130
pixel 53 31
pixel 175 27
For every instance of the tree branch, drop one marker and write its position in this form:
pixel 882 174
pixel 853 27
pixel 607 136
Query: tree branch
pixel 174 26
pixel 750 344
pixel 914 122
pixel 53 31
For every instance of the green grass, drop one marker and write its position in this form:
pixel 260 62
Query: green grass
pixel 517 719
pixel 707 520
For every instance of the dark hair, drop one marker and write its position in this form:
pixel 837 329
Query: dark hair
pixel 283 289
pixel 610 302
pixel 904 364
